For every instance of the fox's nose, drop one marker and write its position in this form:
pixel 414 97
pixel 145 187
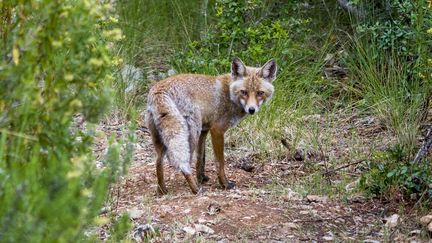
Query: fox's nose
pixel 251 110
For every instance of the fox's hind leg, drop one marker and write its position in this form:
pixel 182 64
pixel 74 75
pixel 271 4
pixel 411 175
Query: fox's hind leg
pixel 160 152
pixel 200 163
pixel 162 190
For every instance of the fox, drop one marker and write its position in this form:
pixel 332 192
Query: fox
pixel 183 109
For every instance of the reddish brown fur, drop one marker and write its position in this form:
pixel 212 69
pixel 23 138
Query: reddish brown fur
pixel 183 108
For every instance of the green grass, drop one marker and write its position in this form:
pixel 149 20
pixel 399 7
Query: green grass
pixel 380 84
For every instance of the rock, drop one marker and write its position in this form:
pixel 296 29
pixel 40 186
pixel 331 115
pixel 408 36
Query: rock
pixel 213 209
pixel 291 195
pixel 135 213
pixel 392 221
pixel 316 199
pixel 247 166
pixel 425 220
pixel 202 221
pixel 430 227
pixel 171 72
pixel 371 241
pixel 131 76
pixel 291 226
pixel 203 229
pixel 189 230
pixel 351 186
pixel 143 232
pixel 187 210
pixel 329 236
pixel 299 155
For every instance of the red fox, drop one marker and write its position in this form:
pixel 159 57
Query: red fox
pixel 182 109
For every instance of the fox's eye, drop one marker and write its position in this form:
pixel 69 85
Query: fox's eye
pixel 243 92
pixel 260 93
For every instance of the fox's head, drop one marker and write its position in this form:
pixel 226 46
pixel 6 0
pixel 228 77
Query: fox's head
pixel 251 87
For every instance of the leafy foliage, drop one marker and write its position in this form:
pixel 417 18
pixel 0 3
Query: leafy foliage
pixel 253 30
pixel 55 62
pixel 391 170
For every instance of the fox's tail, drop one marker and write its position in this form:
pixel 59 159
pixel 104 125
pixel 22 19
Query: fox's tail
pixel 172 128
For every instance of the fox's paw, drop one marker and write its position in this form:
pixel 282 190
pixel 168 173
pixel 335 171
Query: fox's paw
pixel 203 179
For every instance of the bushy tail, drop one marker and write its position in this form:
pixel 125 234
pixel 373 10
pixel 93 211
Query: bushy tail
pixel 173 130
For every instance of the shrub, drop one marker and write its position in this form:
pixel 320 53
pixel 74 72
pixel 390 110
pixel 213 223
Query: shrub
pixel 253 30
pixel 54 64
pixel 391 170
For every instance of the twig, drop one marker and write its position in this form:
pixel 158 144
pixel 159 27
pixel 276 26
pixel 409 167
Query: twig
pixel 426 146
pixel 342 167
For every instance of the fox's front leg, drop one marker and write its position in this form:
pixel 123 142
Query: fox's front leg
pixel 217 137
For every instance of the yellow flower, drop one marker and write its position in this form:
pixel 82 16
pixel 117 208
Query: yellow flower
pixel 15 55
pixel 95 62
pixel 101 220
pixel 112 19
pixel 86 192
pixel 56 43
pixel 429 31
pixel 73 174
pixel 115 34
pixel 76 103
pixel 117 61
pixel 68 77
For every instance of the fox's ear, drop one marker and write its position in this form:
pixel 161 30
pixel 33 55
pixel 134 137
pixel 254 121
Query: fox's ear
pixel 268 71
pixel 238 69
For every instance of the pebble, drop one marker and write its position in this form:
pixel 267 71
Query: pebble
pixel 392 221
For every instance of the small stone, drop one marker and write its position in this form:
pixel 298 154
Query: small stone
pixel 291 196
pixel 291 225
pixel 142 232
pixel 371 241
pixel 316 199
pixel 135 213
pixel 202 221
pixel 329 236
pixel 299 155
pixel 189 230
pixel 425 220
pixel 213 209
pixel 430 227
pixel 187 210
pixel 204 229
pixel 247 166
pixel 171 72
pixel 392 221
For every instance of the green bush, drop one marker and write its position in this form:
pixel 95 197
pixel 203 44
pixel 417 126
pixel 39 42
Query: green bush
pixel 390 171
pixel 397 27
pixel 54 65
pixel 253 30
pixel 390 65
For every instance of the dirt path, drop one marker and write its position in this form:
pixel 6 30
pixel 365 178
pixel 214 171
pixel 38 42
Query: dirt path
pixel 262 208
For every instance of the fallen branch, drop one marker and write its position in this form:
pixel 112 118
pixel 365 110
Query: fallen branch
pixel 342 167
pixel 426 146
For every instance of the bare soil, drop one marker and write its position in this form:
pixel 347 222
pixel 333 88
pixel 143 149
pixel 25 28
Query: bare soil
pixel 263 207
